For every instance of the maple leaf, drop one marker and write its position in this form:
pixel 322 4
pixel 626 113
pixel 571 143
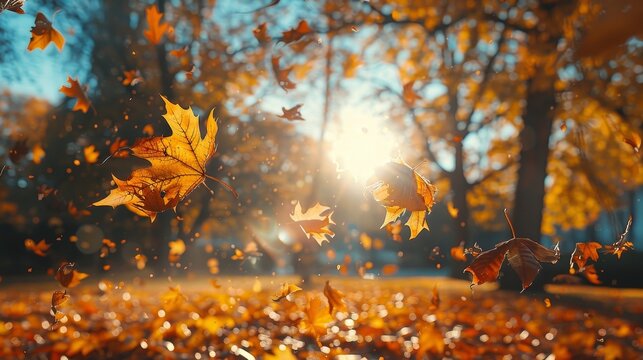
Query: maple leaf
pixel 177 165
pixel 68 276
pixel 12 5
pixel 622 244
pixel 43 33
pixel 524 256
pixel 91 155
pixel 179 53
pixel 117 148
pixel 132 77
pixel 282 74
pixel 292 114
pixel 457 253
pixel 37 153
pixel 584 252
pixel 286 291
pixel 297 33
pixel 399 188
pixel 431 342
pixel 76 91
pixel 313 223
pixel 156 29
pixel 590 274
pixel 261 33
pixel 317 318
pixel 58 298
pixel 335 299
pixel 39 248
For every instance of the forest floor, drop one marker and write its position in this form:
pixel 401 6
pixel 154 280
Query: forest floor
pixel 393 318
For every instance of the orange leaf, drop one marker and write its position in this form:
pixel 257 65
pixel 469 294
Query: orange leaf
pixel 292 114
pixel 43 33
pixel 313 223
pixel 132 77
pixel 39 248
pixel 68 276
pixel 335 299
pixel 282 74
pixel 584 252
pixel 296 33
pixel 156 29
pixel 91 155
pixel 286 291
pixel 317 318
pixel 261 33
pixel 76 91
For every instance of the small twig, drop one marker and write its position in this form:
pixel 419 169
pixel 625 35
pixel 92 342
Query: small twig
pixel 511 226
pixel 224 184
pixel 114 153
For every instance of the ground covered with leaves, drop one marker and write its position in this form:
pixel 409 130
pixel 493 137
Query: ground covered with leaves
pixel 248 318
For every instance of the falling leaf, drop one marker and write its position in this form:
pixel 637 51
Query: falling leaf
pixel 141 261
pixel 117 148
pixel 622 245
pixel 584 252
pixel 179 53
pixel 524 256
pixel 431 342
pixel 292 114
pixel 156 29
pixel 43 33
pixel 335 299
pixel 282 74
pixel 177 248
pixel 286 292
pixel 91 155
pixel 590 274
pixel 177 165
pixel 189 74
pixel 261 34
pixel 18 151
pixel 633 140
pixel 215 284
pixel 400 188
pixel 58 298
pixel 12 5
pixel 453 211
pixel 68 276
pixel 475 250
pixel 409 95
pixel 394 229
pixel 317 318
pixel 457 253
pixel 76 91
pixel 44 191
pixel 238 255
pixel 132 77
pixel 39 248
pixel 313 223
pixel 297 33
pixel 389 269
pixel 366 241
pixel 173 297
pixel 37 153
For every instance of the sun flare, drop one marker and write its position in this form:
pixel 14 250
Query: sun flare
pixel 361 146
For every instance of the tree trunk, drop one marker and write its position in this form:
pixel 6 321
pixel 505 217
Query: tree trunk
pixel 459 187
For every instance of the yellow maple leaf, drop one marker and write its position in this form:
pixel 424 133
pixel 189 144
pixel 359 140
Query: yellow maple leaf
pixel 286 291
pixel 313 222
pixel 317 318
pixel 399 188
pixel 156 28
pixel 177 165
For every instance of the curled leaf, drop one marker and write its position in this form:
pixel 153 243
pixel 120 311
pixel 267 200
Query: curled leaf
pixel 282 74
pixel 286 292
pixel 335 299
pixel 313 222
pixel 68 276
pixel 76 91
pixel 292 114
pixel 43 33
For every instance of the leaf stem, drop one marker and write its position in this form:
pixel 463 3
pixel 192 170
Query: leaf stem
pixel 224 184
pixel 511 226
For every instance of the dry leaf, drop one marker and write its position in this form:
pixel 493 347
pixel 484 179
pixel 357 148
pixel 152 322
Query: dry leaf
pixel 179 53
pixel 132 77
pixel 156 29
pixel 37 153
pixel 68 276
pixel 622 245
pixel 335 299
pixel 457 253
pixel 280 352
pixel 431 342
pixel 43 33
pixel 12 5
pixel 590 274
pixel 584 252
pixel 410 97
pixel 261 34
pixel 58 298
pixel 317 318
pixel 177 165
pixel 76 91
pixel 282 74
pixel 313 222
pixel 292 114
pixel 296 33
pixel 633 140
pixel 286 292
pixel 400 188
pixel 435 299
pixel 177 248
pixel 39 248
pixel 524 256
pixel 91 155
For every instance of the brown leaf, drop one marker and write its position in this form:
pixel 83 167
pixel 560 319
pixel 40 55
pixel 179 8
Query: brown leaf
pixel 590 274
pixel 297 33
pixel 58 298
pixel 524 256
pixel 132 77
pixel 282 74
pixel 335 299
pixel 261 34
pixel 292 114
pixel 68 276
pixel 76 91
pixel 584 252
pixel 12 5
pixel 156 29
pixel 622 245
pixel 43 33
pixel 313 222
